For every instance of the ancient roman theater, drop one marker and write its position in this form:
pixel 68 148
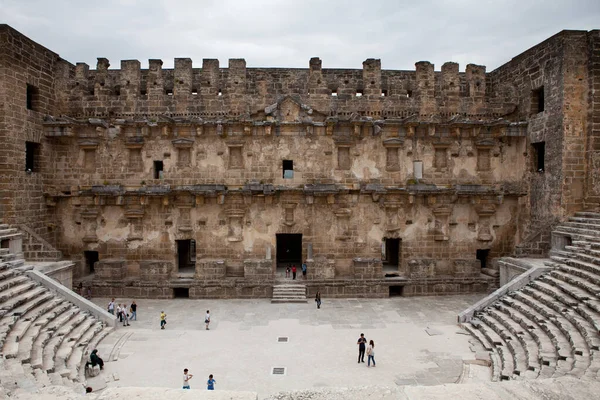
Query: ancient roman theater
pixel 450 215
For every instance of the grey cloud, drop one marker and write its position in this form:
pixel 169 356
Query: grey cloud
pixel 278 33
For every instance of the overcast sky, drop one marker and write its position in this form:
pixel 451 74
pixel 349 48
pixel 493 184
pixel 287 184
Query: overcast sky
pixel 278 33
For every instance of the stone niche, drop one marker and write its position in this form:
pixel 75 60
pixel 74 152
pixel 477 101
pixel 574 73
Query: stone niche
pixel 258 269
pixel 110 269
pixel 367 268
pixel 209 268
pixel 152 271
pixel 421 268
pixel 320 268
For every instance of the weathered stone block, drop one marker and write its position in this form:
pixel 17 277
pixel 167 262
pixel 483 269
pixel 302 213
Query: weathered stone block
pixel 151 271
pixel 367 268
pixel 320 268
pixel 258 269
pixel 422 268
pixel 208 268
pixel 110 269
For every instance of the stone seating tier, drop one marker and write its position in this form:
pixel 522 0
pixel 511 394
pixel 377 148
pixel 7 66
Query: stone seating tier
pixel 550 327
pixel 44 339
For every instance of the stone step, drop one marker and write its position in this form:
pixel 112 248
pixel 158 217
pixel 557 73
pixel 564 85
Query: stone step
pixel 284 300
pixel 586 214
pixel 511 343
pixel 6 232
pixel 507 361
pixel 577 236
pixel 58 338
pixel 78 370
pixel 572 326
pixel 16 263
pixel 528 343
pixel 68 360
pixel 26 342
pixel 11 235
pixel 7 273
pixel 584 265
pixel 4 226
pixel 589 277
pixel 494 357
pixel 22 298
pixel 47 302
pixel 16 290
pixel 46 334
pixel 588 225
pixel 587 244
pixel 6 284
pixel 585 220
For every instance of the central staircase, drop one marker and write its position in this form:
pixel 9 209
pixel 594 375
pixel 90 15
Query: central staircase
pixel 289 293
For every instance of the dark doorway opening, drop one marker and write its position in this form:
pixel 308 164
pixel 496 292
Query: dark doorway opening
pixel 289 250
pixel 91 258
pixel 181 293
pixel 32 154
pixel 186 255
pixel 390 256
pixel 396 291
pixel 482 256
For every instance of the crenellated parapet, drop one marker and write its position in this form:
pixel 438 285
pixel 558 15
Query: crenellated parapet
pixel 240 91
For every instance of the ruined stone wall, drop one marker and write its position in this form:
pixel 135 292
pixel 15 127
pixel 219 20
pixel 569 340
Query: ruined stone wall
pixel 593 122
pixel 22 63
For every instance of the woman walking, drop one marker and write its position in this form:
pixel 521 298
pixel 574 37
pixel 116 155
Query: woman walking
pixel 371 353
pixel 207 319
pixel 318 299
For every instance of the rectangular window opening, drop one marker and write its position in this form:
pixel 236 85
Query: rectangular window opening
pixel 359 93
pixel 334 92
pixel 418 170
pixel 158 169
pixel 194 91
pixel 32 94
pixel 537 100
pixel 288 169
pixel 409 94
pixel 169 92
pixel 384 93
pixel 32 152
pixel 539 153
pixel 220 93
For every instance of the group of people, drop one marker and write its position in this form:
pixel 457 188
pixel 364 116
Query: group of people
pixel 124 313
pixel 370 350
pixel 210 384
pixel 293 271
pixel 163 319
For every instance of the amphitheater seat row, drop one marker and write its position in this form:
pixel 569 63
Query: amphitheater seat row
pixel 550 327
pixel 44 339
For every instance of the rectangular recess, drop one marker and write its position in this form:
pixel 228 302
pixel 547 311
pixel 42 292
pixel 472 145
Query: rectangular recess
pixel 278 371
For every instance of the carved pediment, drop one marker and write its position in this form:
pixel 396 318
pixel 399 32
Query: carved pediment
pixel 290 109
pixel 182 143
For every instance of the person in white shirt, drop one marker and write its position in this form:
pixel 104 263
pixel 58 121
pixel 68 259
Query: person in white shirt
pixel 207 318
pixel 371 353
pixel 119 315
pixel 124 314
pixel 186 379
pixel 111 307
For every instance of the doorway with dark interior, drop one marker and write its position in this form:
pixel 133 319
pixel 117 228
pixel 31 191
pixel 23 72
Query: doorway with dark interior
pixel 91 258
pixel 390 255
pixel 482 256
pixel 186 256
pixel 288 252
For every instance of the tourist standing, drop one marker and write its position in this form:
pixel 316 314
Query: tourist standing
pixel 211 382
pixel 80 289
pixel 207 318
pixel 133 311
pixel 318 299
pixel 163 320
pixel 362 342
pixel 294 271
pixel 186 379
pixel 111 306
pixel 287 272
pixel 120 313
pixel 125 315
pixel 89 293
pixel 304 269
pixel 371 353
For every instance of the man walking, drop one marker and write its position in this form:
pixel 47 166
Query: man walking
pixel 163 320
pixel 133 311
pixel 125 315
pixel 362 344
pixel 294 272
pixel 207 319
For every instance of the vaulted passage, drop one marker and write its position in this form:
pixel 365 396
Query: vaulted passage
pixel 91 258
pixel 391 254
pixel 186 255
pixel 289 250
